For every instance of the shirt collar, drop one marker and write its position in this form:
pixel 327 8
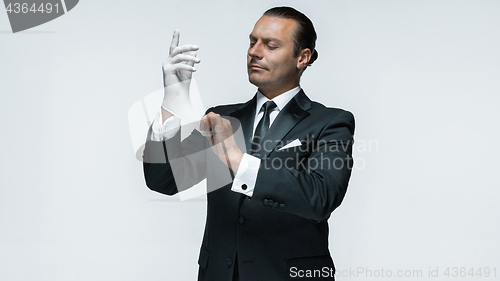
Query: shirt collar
pixel 281 100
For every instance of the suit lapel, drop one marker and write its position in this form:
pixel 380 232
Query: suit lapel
pixel 289 116
pixel 246 115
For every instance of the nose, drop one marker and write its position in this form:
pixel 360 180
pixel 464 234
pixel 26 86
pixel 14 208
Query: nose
pixel 255 51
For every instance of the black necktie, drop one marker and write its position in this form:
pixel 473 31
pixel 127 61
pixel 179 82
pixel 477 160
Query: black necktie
pixel 262 128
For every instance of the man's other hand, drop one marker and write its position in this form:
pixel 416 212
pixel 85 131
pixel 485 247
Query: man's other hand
pixel 221 139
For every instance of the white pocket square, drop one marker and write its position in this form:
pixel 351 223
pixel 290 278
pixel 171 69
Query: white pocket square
pixel 294 143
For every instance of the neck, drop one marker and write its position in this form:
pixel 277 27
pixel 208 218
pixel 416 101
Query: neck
pixel 272 93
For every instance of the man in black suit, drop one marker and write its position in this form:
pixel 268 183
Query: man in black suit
pixel 287 172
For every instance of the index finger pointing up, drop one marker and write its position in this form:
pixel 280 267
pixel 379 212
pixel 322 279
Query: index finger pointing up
pixel 175 40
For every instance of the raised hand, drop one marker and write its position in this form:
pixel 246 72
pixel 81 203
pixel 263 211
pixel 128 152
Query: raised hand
pixel 177 72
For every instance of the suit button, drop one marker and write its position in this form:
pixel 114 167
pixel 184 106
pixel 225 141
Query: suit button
pixel 282 206
pixel 270 202
pixel 276 205
pixel 229 261
pixel 241 220
pixel 244 186
pixel 265 202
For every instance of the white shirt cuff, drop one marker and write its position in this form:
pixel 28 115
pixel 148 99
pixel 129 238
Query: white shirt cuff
pixel 166 130
pixel 245 178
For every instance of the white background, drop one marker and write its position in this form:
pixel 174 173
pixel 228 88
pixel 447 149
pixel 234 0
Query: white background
pixel 421 77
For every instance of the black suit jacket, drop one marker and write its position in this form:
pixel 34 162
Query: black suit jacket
pixel 283 227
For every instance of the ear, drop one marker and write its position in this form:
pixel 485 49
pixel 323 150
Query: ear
pixel 303 58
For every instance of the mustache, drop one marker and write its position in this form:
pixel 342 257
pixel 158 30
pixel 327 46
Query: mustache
pixel 253 63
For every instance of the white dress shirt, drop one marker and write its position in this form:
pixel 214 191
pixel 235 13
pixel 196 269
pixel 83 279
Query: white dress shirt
pixel 249 165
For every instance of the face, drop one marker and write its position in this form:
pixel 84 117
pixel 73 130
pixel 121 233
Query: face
pixel 271 63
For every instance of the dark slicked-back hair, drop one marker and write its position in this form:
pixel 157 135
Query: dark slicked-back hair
pixel 305 35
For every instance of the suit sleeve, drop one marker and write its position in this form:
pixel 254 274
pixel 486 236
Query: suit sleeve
pixel 171 166
pixel 315 186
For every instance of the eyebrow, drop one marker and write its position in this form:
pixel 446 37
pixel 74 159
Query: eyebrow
pixel 266 39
